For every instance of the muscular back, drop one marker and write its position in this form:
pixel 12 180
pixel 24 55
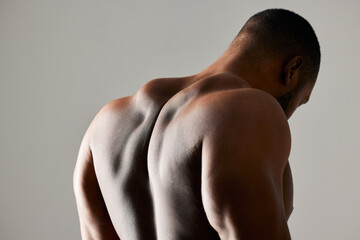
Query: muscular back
pixel 147 151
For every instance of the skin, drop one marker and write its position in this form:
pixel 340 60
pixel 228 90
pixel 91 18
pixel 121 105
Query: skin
pixel 197 157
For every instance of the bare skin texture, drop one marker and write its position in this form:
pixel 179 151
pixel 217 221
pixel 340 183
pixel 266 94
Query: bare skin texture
pixel 198 157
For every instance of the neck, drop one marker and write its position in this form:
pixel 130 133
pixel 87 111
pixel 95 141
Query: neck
pixel 256 71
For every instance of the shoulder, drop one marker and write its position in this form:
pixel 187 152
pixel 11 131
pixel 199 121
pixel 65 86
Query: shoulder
pixel 242 105
pixel 113 109
pixel 157 91
pixel 246 122
pixel 108 119
pixel 130 110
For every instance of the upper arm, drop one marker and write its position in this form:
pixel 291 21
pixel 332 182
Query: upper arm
pixel 244 157
pixel 95 222
pixel 84 168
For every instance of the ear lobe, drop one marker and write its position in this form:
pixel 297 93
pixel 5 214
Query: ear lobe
pixel 292 67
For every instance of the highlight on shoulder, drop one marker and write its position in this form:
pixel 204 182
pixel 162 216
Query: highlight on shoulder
pixel 245 104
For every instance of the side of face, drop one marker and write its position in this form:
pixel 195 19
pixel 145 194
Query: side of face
pixel 296 97
pixel 299 84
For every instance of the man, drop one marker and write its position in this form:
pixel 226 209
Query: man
pixel 203 156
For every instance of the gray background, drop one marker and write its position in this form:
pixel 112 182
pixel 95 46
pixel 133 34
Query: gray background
pixel 60 61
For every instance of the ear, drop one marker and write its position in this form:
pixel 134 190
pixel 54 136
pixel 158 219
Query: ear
pixel 291 69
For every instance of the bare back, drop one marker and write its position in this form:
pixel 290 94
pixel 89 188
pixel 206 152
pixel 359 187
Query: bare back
pixel 147 154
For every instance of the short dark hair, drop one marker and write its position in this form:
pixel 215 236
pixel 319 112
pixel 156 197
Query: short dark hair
pixel 285 32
